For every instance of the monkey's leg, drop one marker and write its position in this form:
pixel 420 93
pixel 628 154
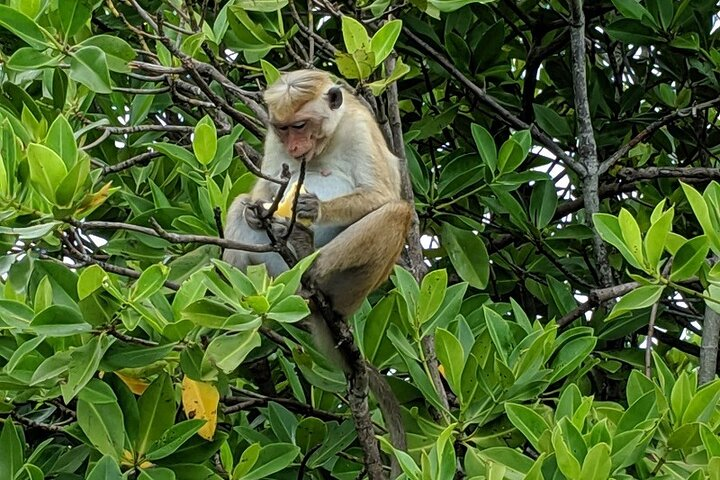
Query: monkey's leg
pixel 361 257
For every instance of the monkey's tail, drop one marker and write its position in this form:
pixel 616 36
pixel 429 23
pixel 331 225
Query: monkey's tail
pixel 390 408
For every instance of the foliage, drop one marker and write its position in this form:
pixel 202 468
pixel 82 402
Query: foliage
pixel 129 350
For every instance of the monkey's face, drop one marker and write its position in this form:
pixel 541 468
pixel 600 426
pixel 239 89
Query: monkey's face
pixel 306 130
pixel 299 137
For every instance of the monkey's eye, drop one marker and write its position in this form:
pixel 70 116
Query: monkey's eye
pixel 299 125
pixel 284 128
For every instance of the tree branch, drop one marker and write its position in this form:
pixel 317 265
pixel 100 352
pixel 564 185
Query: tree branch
pixel 654 127
pixel 587 148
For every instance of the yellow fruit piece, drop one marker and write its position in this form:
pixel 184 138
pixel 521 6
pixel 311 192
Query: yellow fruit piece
pixel 136 385
pixel 200 400
pixel 284 209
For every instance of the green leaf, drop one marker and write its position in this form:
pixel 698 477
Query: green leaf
pixel 126 355
pixel 384 40
pixel 89 66
pixel 101 419
pixel 61 139
pixel 151 280
pixel 468 255
pixel 690 258
pixel 552 123
pixel 529 422
pixel 90 280
pixel 543 203
pixel 261 5
pixel 11 450
pixel 632 9
pixel 510 156
pixel 656 237
pixel 570 356
pixel 84 362
pixel 271 73
pixel 485 146
pixel 282 421
pixel 157 412
pixel 354 35
pixel 23 26
pixel 27 58
pixel 106 469
pixel 174 438
pixel 641 297
pixel 451 356
pixel 703 405
pixel 499 332
pixel 73 15
pixel 597 464
pixel 229 350
pixel 59 321
pixel 205 140
pixel 46 170
pixel 271 459
pixel 609 229
pixel 73 182
pixel 567 463
pixel 432 294
pixel 289 310
pixel 631 235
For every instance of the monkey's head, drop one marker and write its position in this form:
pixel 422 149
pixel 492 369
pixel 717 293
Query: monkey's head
pixel 305 107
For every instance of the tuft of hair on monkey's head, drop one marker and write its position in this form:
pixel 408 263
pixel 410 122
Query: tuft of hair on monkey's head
pixel 293 90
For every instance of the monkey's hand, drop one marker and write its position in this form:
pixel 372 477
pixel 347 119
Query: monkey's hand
pixel 254 213
pixel 308 207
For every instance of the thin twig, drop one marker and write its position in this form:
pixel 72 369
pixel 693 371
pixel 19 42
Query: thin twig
pixel 158 231
pixel 652 128
pixel 649 340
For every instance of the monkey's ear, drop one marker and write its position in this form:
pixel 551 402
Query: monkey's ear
pixel 335 98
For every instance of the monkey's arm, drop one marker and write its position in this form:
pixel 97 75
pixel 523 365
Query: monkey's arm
pixel 345 209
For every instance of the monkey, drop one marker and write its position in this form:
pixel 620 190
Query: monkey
pixel 352 200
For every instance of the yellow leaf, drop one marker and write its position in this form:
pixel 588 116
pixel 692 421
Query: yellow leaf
pixel 441 369
pixel 136 385
pixel 94 200
pixel 200 400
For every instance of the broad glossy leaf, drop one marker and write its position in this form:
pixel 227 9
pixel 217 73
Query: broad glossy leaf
pixel 271 459
pixel 157 412
pixel 384 40
pixel 59 321
pixel 89 66
pixel 23 26
pixel 100 418
pixel 205 140
pixel 106 469
pixel 468 255
pixel 173 438
pixel 451 356
pixel 227 351
pixel 355 35
pixel 485 145
pixel 46 169
pixel 11 450
pixel 690 258
pixel 529 422
pixel 641 297
pixel 432 294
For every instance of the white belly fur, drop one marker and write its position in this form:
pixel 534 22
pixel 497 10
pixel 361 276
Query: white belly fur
pixel 326 187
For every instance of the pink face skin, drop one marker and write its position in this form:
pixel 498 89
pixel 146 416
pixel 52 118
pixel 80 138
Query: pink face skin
pixel 299 137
